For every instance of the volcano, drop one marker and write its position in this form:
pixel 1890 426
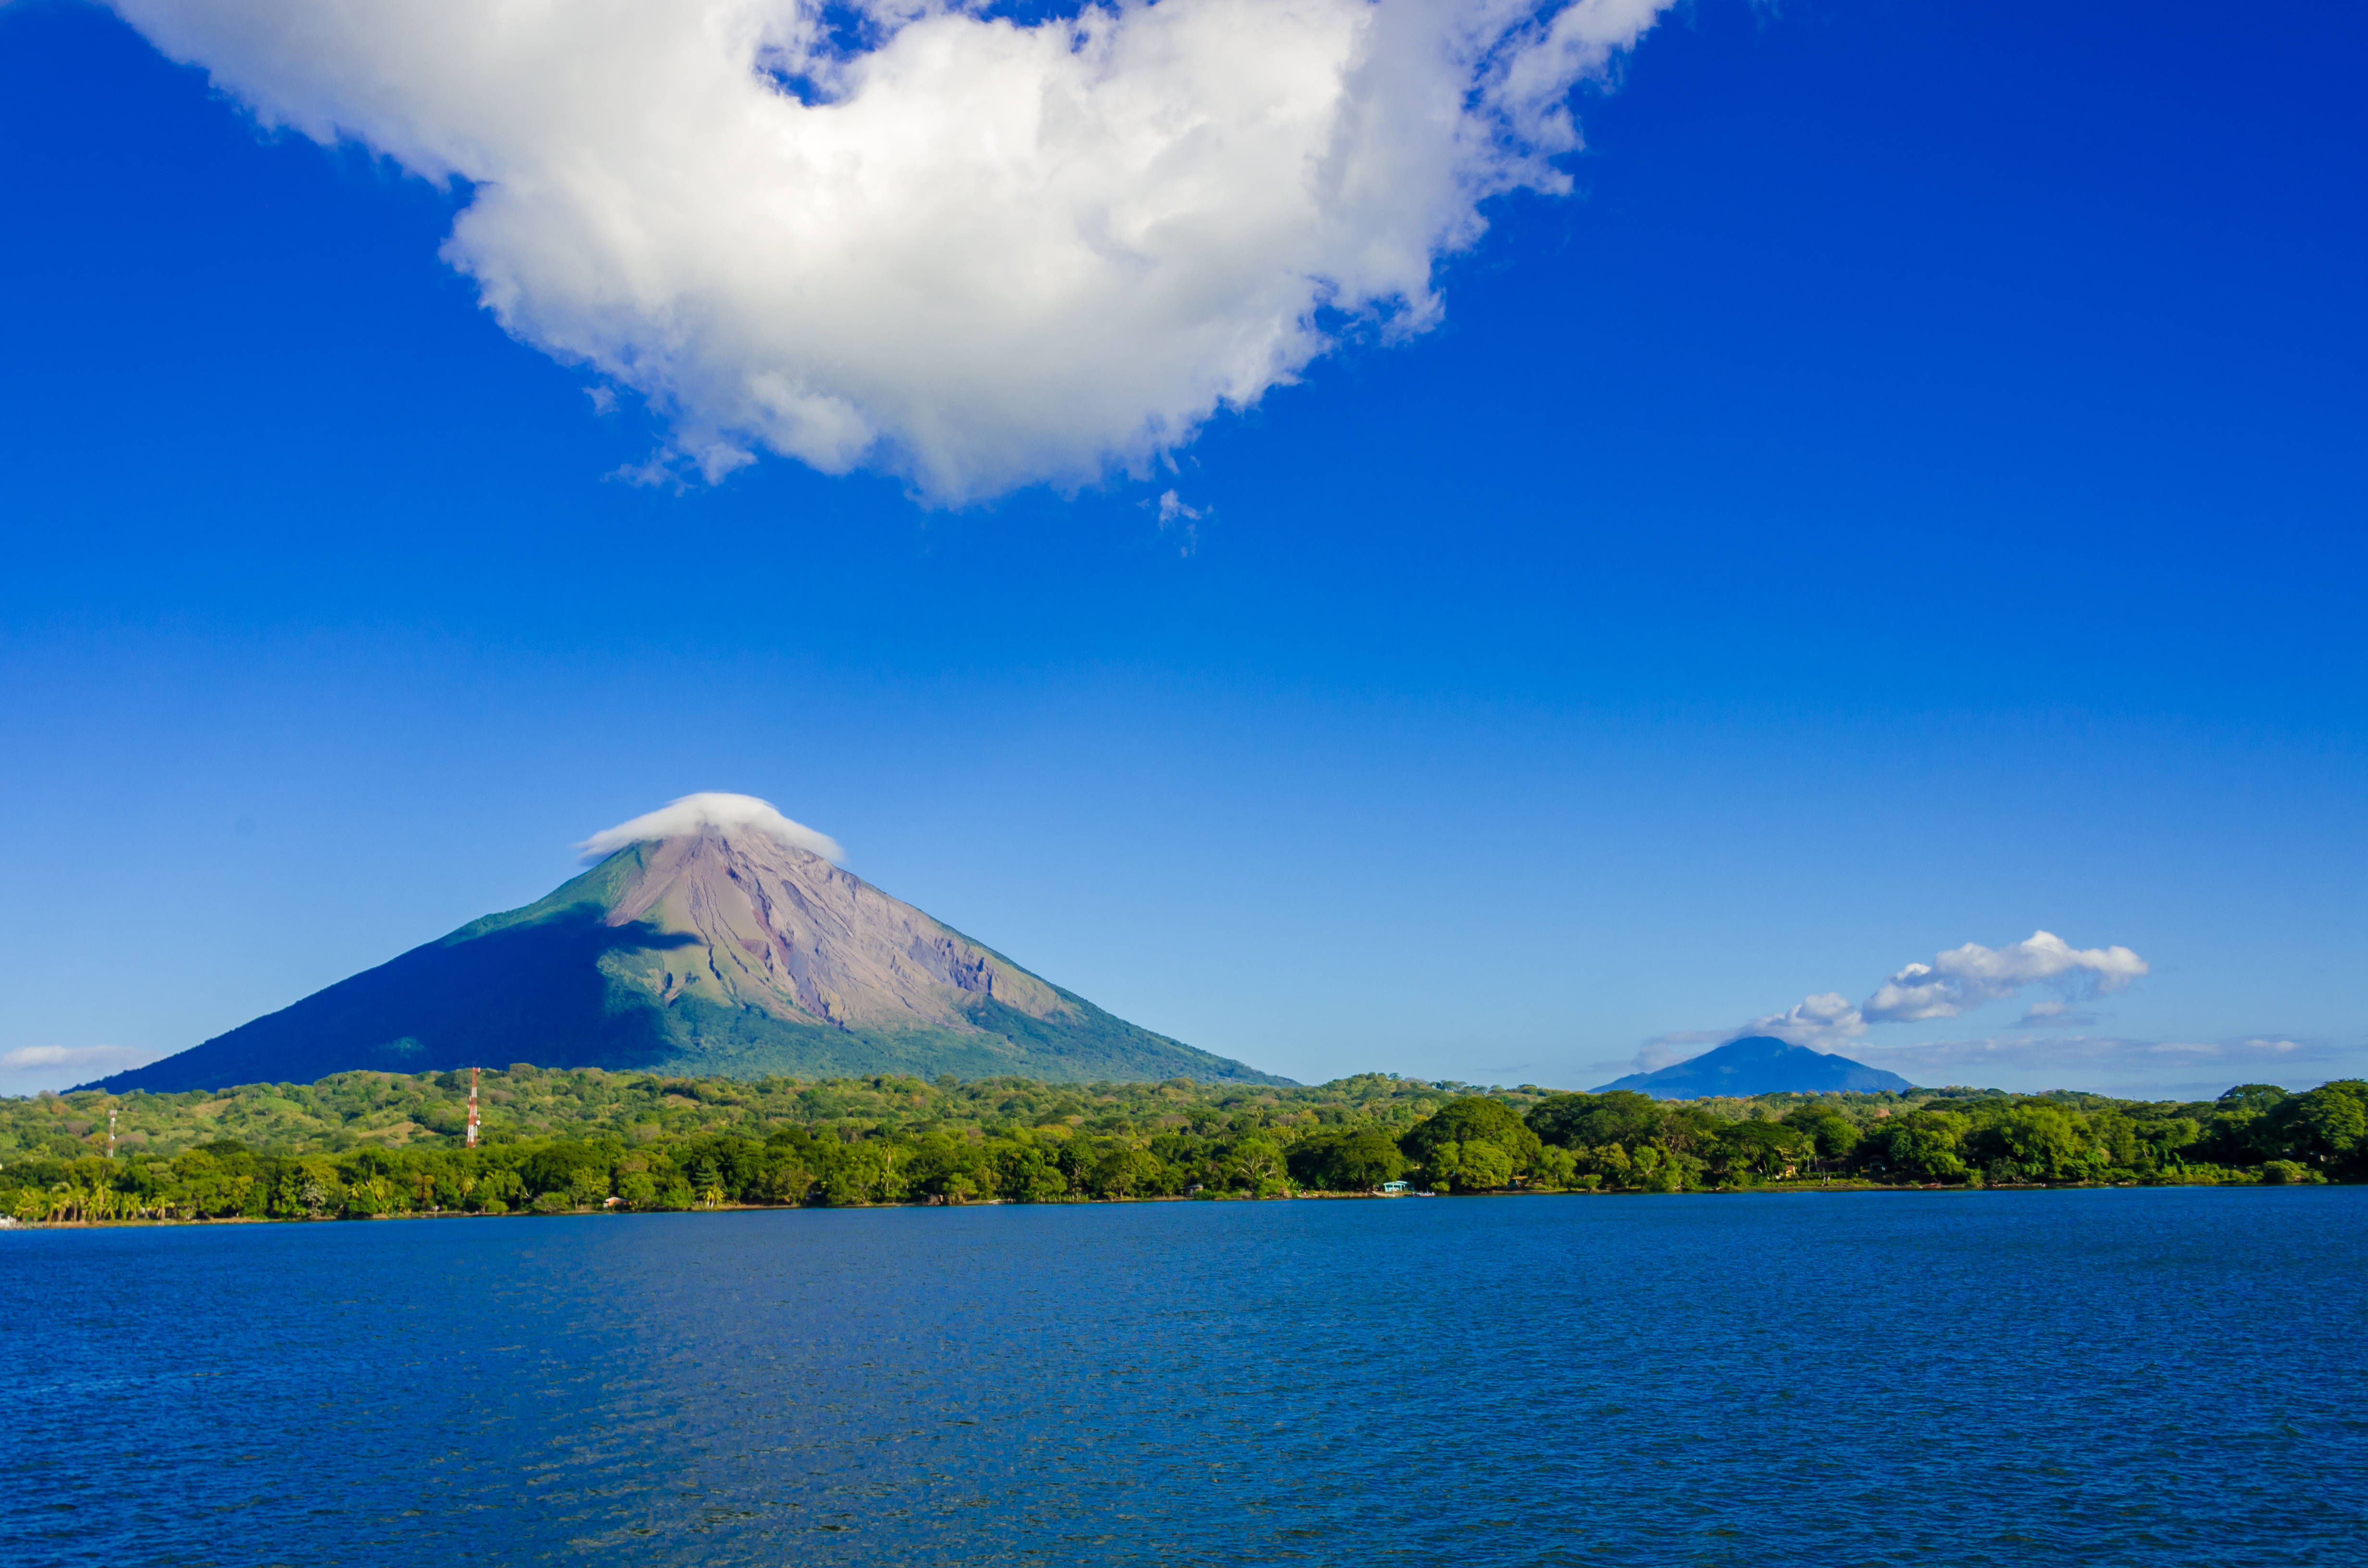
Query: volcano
pixel 1759 1064
pixel 713 939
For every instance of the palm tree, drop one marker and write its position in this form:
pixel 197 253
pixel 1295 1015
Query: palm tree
pixel 73 1201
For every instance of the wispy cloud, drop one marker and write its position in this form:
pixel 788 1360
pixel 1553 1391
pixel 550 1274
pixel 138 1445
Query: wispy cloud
pixel 976 253
pixel 2056 1012
pixel 31 1067
pixel 2115 1064
pixel 2026 1062
pixel 1666 1050
pixel 1173 512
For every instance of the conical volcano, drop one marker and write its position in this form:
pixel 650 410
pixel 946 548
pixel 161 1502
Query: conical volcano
pixel 713 939
pixel 1759 1064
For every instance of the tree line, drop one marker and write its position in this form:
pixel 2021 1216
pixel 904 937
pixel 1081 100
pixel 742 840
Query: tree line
pixel 1036 1143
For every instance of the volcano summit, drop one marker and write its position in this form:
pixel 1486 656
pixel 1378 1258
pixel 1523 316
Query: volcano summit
pixel 716 937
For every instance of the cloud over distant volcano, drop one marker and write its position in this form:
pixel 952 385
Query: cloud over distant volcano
pixel 972 251
pixel 1968 976
pixel 1961 979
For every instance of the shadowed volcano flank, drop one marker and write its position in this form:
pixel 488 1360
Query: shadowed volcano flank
pixel 720 949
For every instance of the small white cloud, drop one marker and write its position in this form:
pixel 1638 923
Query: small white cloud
pixel 1173 511
pixel 55 1066
pixel 973 252
pixel 730 814
pixel 1966 977
pixel 604 399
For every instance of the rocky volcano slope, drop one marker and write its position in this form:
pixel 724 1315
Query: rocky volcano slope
pixel 782 930
pixel 720 949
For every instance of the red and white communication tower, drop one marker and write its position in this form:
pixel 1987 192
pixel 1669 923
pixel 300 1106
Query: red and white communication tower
pixel 471 1141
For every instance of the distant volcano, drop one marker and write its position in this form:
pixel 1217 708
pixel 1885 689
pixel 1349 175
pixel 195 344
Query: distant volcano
pixel 726 946
pixel 1759 1064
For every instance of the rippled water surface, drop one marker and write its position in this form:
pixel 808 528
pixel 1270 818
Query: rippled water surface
pixel 2169 1376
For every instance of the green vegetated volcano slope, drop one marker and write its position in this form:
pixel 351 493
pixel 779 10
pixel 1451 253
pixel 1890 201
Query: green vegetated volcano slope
pixel 709 956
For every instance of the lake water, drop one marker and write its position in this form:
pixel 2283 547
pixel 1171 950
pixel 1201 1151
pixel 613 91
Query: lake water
pixel 2101 1377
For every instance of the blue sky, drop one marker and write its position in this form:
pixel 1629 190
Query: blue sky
pixel 1909 492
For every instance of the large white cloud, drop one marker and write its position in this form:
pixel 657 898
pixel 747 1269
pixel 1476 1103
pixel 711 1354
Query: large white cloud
pixel 978 254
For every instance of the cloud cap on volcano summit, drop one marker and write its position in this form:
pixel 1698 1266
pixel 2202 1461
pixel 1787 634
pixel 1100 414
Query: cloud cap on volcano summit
pixel 714 809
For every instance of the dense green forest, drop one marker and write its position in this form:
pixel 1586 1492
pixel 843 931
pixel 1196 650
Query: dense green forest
pixel 365 1145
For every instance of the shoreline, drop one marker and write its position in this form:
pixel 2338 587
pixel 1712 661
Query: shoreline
pixel 1832 1189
